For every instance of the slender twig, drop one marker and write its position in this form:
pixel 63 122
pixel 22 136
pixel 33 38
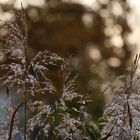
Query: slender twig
pixel 25 76
pixel 106 88
pixel 109 133
pixel 25 115
pixel 129 115
pixel 12 121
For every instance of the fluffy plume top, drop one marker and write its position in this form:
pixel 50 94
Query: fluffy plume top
pixel 122 115
pixel 31 76
pixel 19 72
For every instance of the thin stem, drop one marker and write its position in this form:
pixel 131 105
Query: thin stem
pixel 25 115
pixel 109 134
pixel 12 121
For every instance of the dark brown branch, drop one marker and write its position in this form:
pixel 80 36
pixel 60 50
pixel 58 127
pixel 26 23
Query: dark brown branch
pixel 12 120
pixel 109 133
pixel 129 115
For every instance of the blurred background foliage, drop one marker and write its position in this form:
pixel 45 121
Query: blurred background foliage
pixel 95 39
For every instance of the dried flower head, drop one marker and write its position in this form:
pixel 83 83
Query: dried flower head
pixel 122 115
pixel 30 77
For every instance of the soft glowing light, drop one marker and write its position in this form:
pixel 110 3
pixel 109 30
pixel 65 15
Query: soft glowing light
pixel 87 2
pixel 135 2
pixel 114 62
pixel 117 9
pixel 4 1
pixel 88 20
pixel 115 30
pixel 29 2
pixel 94 53
pixel 117 41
